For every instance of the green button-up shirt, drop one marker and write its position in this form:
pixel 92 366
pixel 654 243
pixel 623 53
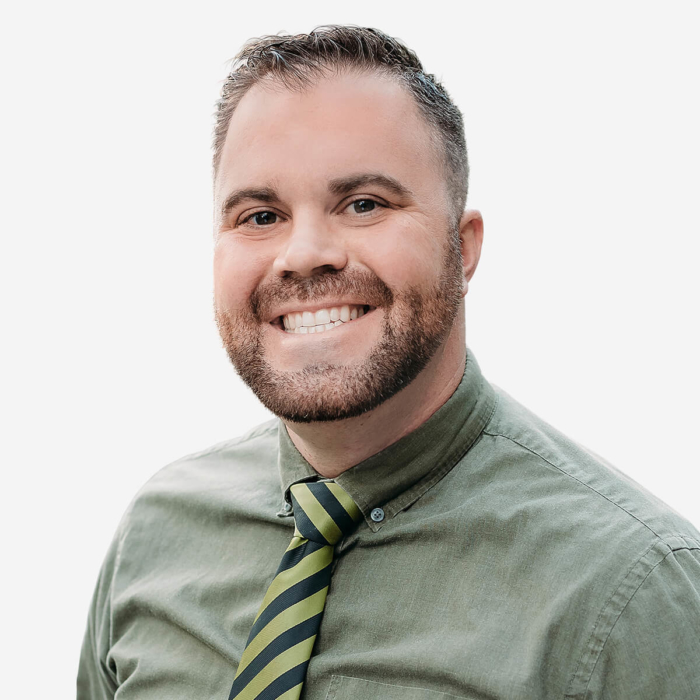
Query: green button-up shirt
pixel 505 562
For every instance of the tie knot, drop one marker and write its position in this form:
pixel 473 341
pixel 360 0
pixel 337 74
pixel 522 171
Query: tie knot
pixel 323 511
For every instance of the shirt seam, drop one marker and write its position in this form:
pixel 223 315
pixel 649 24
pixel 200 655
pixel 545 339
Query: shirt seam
pixel 336 681
pixel 583 483
pixel 233 442
pixel 595 656
pixel 214 449
pixel 589 653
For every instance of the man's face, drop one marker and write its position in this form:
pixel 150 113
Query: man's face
pixel 336 278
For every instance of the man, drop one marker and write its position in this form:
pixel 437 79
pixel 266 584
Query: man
pixel 405 529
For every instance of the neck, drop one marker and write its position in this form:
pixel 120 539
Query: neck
pixel 332 448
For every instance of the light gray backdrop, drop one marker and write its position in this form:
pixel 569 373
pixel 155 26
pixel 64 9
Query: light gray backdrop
pixel 582 130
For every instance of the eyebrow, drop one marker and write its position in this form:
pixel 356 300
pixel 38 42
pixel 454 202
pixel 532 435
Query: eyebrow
pixel 338 186
pixel 344 185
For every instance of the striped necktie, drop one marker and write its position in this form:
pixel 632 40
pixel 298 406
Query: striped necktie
pixel 279 646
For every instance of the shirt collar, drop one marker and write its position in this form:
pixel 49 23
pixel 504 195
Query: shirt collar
pixel 399 475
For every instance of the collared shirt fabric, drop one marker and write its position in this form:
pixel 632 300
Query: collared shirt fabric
pixel 497 560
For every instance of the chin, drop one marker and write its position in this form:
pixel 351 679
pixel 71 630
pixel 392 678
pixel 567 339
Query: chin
pixel 324 392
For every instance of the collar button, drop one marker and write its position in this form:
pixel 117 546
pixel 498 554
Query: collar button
pixel 377 515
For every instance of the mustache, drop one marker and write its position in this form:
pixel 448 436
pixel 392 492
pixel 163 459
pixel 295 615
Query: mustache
pixel 360 284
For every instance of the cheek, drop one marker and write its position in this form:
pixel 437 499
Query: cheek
pixel 403 265
pixel 237 273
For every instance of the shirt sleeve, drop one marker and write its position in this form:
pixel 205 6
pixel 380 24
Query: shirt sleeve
pixel 653 650
pixel 96 680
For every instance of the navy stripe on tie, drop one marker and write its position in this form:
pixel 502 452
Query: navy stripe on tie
pixel 305 526
pixel 285 682
pixel 299 591
pixel 294 556
pixel 285 641
pixel 333 507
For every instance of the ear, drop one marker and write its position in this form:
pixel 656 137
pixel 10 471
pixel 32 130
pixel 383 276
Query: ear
pixel 471 236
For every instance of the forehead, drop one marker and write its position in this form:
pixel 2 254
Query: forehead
pixel 348 122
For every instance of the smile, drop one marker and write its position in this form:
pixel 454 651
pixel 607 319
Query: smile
pixel 321 320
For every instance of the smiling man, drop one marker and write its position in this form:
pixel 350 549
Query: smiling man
pixel 403 529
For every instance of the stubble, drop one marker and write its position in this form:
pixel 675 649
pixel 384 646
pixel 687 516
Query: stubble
pixel 415 323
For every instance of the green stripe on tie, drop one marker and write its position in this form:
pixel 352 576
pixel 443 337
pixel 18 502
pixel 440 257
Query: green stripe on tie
pixel 285 661
pixel 344 497
pixel 293 615
pixel 286 579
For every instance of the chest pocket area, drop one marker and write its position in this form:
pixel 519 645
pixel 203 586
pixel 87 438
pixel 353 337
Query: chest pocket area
pixel 345 688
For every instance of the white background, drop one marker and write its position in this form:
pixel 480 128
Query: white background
pixel 582 125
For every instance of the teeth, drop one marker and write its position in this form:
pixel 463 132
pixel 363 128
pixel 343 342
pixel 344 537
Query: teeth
pixel 321 320
pixel 323 316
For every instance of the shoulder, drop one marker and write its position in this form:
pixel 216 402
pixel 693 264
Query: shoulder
pixel 629 563
pixel 185 514
pixel 624 564
pixel 251 454
pixel 261 439
pixel 235 475
pixel 198 499
pixel 650 646
pixel 583 480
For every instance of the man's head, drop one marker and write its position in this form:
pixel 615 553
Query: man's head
pixel 337 196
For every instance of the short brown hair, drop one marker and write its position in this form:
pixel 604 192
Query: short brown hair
pixel 296 60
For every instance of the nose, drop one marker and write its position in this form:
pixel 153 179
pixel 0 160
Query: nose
pixel 309 249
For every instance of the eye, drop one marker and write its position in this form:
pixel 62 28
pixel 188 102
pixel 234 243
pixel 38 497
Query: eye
pixel 260 218
pixel 365 205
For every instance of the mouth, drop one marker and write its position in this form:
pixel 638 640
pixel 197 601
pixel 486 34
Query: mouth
pixel 321 320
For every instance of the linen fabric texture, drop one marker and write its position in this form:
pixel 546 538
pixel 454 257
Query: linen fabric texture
pixel 507 563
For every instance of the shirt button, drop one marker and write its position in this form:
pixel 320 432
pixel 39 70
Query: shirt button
pixel 287 506
pixel 377 515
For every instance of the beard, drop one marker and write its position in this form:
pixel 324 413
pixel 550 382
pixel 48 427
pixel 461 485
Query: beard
pixel 415 324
